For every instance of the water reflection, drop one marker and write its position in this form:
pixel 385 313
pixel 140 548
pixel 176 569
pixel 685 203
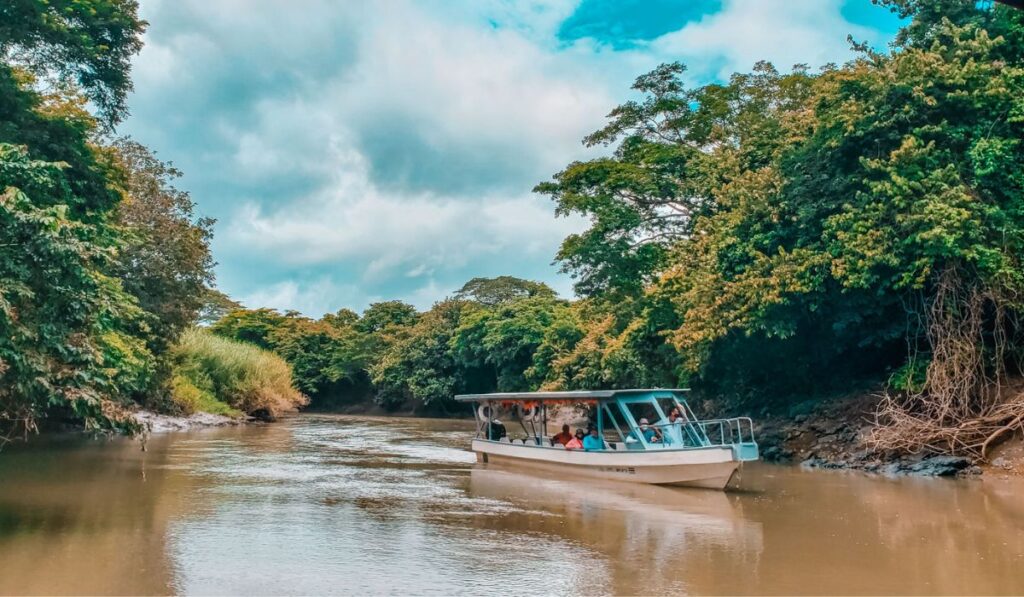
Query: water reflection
pixel 340 505
pixel 651 535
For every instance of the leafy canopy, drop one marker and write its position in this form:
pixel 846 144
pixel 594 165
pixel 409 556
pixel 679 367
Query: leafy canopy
pixel 88 41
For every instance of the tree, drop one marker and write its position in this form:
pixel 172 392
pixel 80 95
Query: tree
pixel 386 315
pixel 165 262
pixel 215 305
pixel 68 333
pixel 926 19
pixel 590 346
pixel 420 367
pixel 790 233
pixel 255 326
pixel 676 148
pixel 342 318
pixel 329 357
pixel 72 337
pixel 502 339
pixel 89 41
pixel 503 289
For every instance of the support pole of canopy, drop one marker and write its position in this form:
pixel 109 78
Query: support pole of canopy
pixel 544 415
pixel 518 409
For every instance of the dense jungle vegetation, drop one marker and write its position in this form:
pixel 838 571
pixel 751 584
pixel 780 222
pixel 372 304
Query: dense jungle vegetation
pixel 103 263
pixel 780 237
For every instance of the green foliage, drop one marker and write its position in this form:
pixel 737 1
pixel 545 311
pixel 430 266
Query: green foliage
pixel 591 346
pixel 421 366
pixel 65 328
pixel 677 148
pixel 91 41
pixel 504 338
pixel 786 234
pixel 246 378
pixel 911 377
pixel 102 263
pixel 331 357
pixel 164 259
pixel 774 236
pixel 503 289
pixel 383 318
pixel 189 399
pixel 253 326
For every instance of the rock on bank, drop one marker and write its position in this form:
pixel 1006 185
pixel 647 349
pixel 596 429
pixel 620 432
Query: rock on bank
pixel 158 423
pixel 831 435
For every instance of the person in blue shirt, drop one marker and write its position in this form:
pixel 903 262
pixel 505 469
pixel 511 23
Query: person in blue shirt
pixel 651 435
pixel 592 441
pixel 674 430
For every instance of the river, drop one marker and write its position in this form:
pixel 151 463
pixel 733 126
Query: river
pixel 323 504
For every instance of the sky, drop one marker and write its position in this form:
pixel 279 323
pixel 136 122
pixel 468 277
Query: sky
pixel 361 151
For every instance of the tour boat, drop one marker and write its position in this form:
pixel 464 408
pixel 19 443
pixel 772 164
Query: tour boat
pixel 686 451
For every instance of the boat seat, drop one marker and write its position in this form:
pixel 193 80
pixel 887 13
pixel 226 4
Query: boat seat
pixel 505 440
pixel 558 446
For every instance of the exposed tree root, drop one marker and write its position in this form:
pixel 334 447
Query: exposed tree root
pixel 966 404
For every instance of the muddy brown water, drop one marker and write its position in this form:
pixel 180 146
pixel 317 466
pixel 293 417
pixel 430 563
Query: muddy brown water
pixel 354 505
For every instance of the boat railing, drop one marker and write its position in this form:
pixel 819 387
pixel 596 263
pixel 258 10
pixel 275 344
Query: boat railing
pixel 728 432
pixel 715 432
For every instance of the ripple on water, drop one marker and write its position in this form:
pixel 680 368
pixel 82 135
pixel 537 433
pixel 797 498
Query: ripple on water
pixel 342 505
pixel 378 508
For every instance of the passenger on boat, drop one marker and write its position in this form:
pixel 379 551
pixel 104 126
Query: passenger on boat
pixel 652 435
pixel 496 431
pixel 576 443
pixel 593 441
pixel 562 438
pixel 674 429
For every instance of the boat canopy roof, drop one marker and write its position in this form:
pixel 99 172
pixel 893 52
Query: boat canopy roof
pixel 561 396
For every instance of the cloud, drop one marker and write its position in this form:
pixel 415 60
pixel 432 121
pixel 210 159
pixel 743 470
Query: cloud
pixel 452 107
pixel 381 236
pixel 812 32
pixel 364 151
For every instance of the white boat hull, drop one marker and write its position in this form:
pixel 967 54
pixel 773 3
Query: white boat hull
pixel 710 467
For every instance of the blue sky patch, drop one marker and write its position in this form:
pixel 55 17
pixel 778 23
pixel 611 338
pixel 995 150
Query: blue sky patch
pixel 623 23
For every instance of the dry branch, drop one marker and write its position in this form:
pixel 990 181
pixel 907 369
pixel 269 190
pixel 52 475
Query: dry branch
pixel 965 404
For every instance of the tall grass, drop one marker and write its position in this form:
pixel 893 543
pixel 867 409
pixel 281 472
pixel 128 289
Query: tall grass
pixel 214 374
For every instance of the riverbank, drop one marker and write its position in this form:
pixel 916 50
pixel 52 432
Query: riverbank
pixel 162 423
pixel 832 435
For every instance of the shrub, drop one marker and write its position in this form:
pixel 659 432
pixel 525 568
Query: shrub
pixel 190 399
pixel 217 373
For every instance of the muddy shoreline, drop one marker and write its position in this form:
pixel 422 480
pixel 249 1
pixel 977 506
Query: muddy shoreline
pixel 832 434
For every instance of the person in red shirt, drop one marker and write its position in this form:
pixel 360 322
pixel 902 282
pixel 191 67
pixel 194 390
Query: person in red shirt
pixel 562 438
pixel 576 443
